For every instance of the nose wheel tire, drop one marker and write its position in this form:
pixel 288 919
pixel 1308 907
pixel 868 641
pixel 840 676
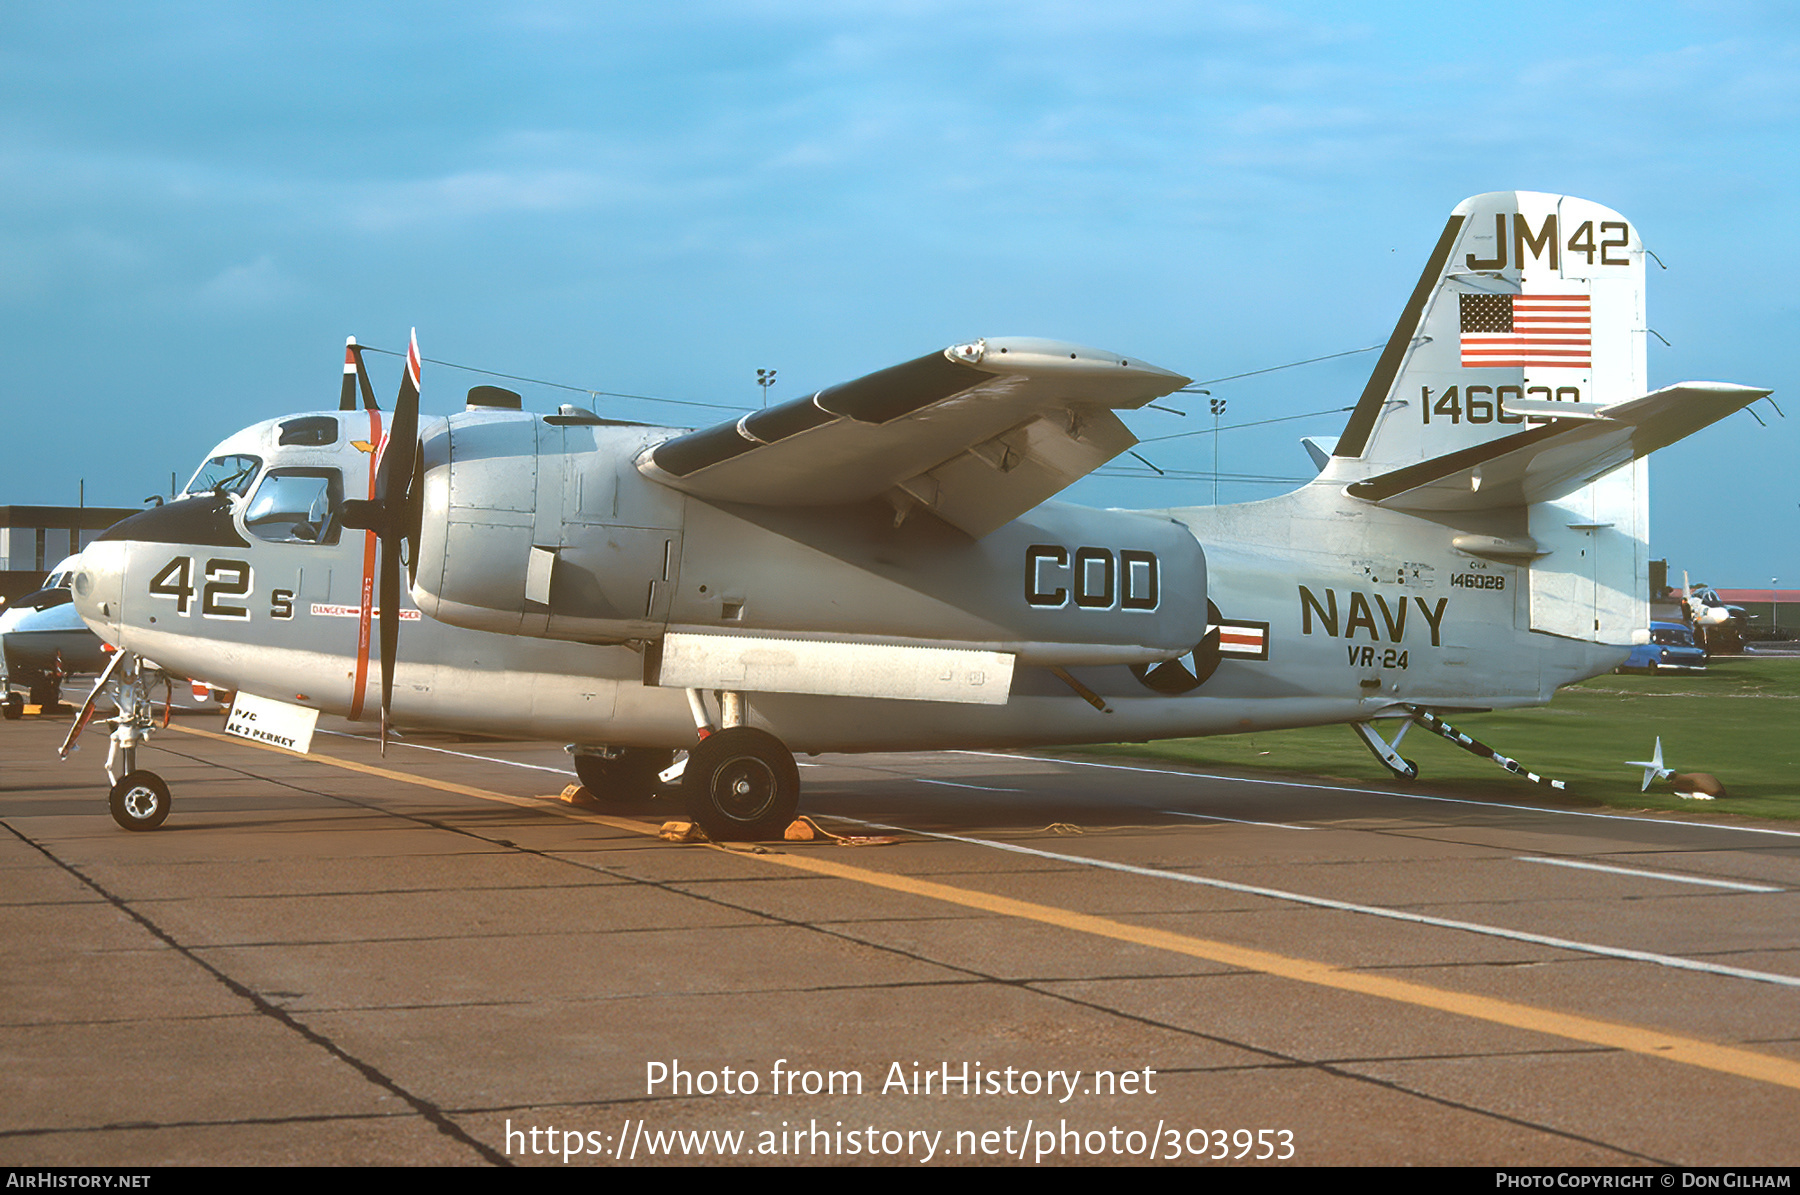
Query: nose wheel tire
pixel 140 801
pixel 14 707
pixel 741 785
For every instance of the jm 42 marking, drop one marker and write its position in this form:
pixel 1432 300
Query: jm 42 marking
pixel 1615 235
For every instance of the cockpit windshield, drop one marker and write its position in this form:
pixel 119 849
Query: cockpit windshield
pixel 296 506
pixel 232 473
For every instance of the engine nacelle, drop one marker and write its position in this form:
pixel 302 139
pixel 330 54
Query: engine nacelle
pixel 540 525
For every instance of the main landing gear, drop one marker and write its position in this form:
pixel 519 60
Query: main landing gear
pixel 139 799
pixel 741 783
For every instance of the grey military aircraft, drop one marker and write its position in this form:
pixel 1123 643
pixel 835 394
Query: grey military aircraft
pixel 878 565
pixel 42 640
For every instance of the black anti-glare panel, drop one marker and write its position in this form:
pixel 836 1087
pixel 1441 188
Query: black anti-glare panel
pixel 204 521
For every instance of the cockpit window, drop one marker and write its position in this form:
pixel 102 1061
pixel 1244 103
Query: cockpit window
pixel 233 474
pixel 296 506
pixel 309 431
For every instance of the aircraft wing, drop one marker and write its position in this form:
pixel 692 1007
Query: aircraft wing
pixel 978 434
pixel 1558 458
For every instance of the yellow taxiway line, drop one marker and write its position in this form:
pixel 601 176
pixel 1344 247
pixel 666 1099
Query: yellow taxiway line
pixel 1636 1039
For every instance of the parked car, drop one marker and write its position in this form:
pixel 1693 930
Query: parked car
pixel 1671 649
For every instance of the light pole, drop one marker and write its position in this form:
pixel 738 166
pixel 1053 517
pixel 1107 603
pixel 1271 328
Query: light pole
pixel 1218 409
pixel 765 378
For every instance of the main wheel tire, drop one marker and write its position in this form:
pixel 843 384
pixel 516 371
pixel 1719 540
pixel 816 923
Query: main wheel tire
pixel 629 778
pixel 140 801
pixel 14 708
pixel 741 785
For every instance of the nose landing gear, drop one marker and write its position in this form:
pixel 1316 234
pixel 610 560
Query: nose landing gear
pixel 139 799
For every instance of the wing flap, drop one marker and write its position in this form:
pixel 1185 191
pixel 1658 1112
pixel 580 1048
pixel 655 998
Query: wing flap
pixel 993 483
pixel 1557 459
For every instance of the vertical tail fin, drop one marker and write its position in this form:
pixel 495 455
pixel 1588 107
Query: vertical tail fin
pixel 1526 298
pixel 1529 301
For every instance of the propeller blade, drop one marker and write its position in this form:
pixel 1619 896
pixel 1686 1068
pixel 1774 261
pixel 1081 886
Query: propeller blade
pixel 390 627
pixel 362 377
pixel 410 514
pixel 403 433
pixel 392 483
pixel 347 398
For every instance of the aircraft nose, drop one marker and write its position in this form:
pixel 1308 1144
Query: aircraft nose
pixel 99 587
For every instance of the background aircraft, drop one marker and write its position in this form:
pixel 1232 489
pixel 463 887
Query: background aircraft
pixel 879 566
pixel 42 640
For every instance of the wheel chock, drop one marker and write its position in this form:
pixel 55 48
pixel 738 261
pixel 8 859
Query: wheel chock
pixel 682 832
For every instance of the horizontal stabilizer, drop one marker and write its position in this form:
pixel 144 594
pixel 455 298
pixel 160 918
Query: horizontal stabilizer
pixel 1558 458
pixel 978 434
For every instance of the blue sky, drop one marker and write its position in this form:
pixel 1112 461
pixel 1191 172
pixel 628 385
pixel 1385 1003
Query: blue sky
pixel 202 200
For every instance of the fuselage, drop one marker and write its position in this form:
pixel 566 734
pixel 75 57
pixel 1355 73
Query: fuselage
pixel 1304 609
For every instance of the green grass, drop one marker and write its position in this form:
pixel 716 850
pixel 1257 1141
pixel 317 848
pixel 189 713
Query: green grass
pixel 1740 721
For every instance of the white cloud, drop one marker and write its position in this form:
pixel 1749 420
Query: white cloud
pixel 252 285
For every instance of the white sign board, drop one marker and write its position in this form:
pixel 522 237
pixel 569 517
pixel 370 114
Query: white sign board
pixel 276 722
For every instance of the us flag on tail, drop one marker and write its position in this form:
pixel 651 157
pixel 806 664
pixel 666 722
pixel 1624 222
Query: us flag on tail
pixel 1526 330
